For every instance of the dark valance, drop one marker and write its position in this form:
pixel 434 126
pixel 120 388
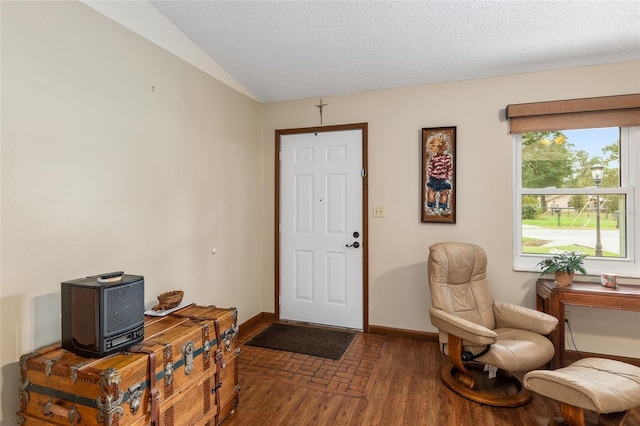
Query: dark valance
pixel 607 111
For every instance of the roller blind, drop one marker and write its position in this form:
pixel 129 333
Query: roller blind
pixel 607 111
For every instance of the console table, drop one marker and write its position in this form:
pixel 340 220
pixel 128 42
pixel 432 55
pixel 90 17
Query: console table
pixel 552 298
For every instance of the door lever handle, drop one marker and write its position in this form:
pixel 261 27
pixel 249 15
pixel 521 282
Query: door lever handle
pixel 354 245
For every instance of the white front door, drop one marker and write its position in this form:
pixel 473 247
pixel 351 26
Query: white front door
pixel 321 228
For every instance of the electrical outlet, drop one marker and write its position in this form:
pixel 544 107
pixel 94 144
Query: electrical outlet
pixel 378 211
pixel 567 316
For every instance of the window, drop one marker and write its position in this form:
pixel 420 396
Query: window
pixel 574 190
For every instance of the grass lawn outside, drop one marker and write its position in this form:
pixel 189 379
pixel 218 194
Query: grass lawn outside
pixel 533 246
pixel 573 221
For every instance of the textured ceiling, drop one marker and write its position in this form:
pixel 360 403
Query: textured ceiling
pixel 282 50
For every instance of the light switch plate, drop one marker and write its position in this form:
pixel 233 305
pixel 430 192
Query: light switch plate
pixel 378 211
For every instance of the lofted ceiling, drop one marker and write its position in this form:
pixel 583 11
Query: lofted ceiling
pixel 283 50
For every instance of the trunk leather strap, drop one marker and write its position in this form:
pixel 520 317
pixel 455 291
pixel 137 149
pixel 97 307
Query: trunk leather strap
pixel 219 362
pixel 154 394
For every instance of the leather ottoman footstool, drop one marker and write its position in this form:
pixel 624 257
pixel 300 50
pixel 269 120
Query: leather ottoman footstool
pixel 610 388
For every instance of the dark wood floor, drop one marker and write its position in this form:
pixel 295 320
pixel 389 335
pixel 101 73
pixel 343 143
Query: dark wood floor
pixel 407 391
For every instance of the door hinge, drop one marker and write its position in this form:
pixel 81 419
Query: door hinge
pixel 363 173
pixel 280 155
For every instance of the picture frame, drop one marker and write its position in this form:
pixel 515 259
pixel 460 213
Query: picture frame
pixel 438 201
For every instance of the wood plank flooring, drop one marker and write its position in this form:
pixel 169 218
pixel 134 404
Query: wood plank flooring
pixel 407 391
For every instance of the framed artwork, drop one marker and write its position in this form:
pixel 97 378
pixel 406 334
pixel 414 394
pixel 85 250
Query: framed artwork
pixel 438 175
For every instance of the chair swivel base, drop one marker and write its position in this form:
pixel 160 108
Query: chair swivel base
pixel 504 390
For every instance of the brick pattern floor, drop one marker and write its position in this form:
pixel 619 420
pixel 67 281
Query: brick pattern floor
pixel 354 374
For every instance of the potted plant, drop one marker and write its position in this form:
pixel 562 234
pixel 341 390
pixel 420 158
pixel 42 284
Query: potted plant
pixel 563 264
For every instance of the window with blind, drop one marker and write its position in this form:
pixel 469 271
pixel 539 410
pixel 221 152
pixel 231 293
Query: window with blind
pixel 575 172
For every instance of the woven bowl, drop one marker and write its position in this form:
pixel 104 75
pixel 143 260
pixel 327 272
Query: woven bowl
pixel 169 300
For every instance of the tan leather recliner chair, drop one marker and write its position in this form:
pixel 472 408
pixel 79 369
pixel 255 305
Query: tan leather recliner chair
pixel 477 331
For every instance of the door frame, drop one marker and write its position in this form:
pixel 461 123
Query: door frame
pixel 365 202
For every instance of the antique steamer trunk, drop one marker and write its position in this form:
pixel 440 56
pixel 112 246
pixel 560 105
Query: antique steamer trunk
pixel 183 373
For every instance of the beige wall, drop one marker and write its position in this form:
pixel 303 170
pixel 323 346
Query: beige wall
pixel 101 172
pixel 399 295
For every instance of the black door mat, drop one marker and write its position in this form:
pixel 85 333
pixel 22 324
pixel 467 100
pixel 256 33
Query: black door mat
pixel 312 341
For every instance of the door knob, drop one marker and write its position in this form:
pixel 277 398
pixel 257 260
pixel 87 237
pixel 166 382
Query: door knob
pixel 354 245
